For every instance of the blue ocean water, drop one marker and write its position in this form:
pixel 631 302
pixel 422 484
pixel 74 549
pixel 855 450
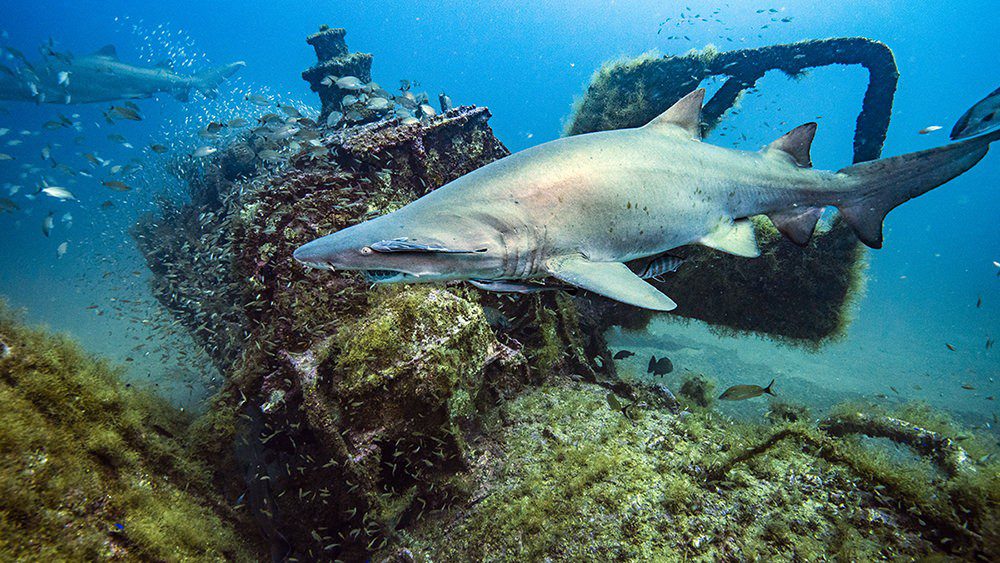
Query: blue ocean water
pixel 527 62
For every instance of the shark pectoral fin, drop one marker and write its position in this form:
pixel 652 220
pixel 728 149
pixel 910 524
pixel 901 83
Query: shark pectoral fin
pixel 683 117
pixel 735 237
pixel 610 279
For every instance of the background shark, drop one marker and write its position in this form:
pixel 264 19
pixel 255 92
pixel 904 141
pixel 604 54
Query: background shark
pixel 101 77
pixel 981 118
pixel 580 208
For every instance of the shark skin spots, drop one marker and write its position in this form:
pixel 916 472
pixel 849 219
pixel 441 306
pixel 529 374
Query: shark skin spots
pixel 582 209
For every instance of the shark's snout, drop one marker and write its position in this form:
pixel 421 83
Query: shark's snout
pixel 313 254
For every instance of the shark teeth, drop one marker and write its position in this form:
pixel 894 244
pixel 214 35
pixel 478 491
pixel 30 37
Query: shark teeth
pixel 378 276
pixel 319 265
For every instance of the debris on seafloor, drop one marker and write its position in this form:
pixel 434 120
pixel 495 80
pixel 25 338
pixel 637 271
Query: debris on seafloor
pixel 941 449
pixel 768 294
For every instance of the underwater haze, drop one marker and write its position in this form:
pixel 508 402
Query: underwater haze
pixel 135 226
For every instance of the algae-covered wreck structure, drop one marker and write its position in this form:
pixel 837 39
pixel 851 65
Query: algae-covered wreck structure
pixel 439 423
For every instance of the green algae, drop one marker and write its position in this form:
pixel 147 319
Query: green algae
pixel 556 342
pixel 91 469
pixel 404 325
pixel 579 481
pixel 698 390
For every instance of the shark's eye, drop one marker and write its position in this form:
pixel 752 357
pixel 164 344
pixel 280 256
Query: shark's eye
pixel 366 250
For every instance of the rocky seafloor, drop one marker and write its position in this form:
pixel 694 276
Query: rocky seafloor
pixel 440 423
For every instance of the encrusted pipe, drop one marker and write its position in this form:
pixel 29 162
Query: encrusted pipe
pixel 631 93
pixel 943 451
pixel 746 66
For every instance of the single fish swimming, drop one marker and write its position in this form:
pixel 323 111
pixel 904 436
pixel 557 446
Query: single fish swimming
pixel 660 367
pixel 581 208
pixel 741 392
pixel 102 77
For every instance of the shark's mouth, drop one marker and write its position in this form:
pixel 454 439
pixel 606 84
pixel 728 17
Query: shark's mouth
pixel 385 276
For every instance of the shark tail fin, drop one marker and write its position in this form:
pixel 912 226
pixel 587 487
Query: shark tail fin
pixel 207 81
pixel 882 185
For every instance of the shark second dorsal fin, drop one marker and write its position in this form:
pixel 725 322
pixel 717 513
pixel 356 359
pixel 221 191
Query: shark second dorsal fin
pixel 107 52
pixel 684 114
pixel 610 279
pixel 796 144
pixel 733 237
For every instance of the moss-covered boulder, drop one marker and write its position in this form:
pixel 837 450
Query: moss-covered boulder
pixel 91 469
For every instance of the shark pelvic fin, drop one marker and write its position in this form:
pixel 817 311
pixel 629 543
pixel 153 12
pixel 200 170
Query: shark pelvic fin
pixel 107 52
pixel 513 286
pixel 610 279
pixel 796 223
pixel 796 144
pixel 733 237
pixel 684 114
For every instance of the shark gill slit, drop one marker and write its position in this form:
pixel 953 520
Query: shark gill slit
pixel 510 257
pixel 536 249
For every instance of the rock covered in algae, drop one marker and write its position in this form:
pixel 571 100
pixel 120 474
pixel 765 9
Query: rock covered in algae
pixel 91 469
pixel 800 295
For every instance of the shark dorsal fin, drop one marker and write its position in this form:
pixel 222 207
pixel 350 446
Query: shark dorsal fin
pixel 796 144
pixel 610 279
pixel 733 237
pixel 685 114
pixel 107 52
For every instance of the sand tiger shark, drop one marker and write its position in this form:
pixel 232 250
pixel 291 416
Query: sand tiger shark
pixel 982 117
pixel 102 77
pixel 580 209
